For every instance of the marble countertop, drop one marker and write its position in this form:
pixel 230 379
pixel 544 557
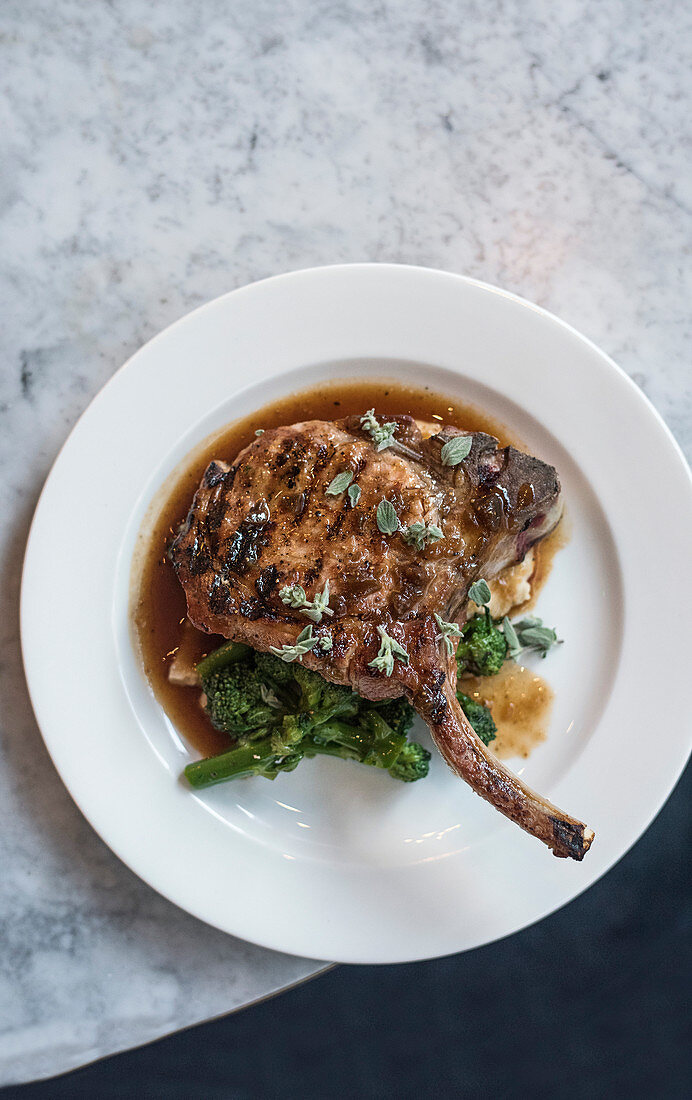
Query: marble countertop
pixel 157 156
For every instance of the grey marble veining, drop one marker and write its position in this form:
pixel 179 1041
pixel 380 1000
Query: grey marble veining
pixel 155 156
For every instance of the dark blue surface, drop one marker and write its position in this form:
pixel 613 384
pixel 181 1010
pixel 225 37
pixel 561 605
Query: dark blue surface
pixel 593 1002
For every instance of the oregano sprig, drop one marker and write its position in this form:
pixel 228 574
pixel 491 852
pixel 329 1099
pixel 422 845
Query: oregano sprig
pixel 530 633
pixel 294 595
pixel 419 534
pixel 389 649
pixel 449 633
pixel 270 698
pixel 319 606
pixel 381 434
pixel 303 644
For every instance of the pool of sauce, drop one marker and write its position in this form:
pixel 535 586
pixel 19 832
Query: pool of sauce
pixel 520 702
pixel 159 610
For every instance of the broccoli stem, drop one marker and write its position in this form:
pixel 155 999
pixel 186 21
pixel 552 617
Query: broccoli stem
pixel 312 747
pixel 235 763
pixel 229 654
pixel 378 745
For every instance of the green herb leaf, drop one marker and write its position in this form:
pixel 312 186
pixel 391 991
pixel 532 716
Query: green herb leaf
pixel 326 643
pixel 293 595
pixel 259 431
pixel 315 609
pixel 455 450
pixel 340 483
pixel 418 534
pixel 448 632
pixel 303 644
pixel 479 593
pixel 354 494
pixel 399 650
pixel 387 519
pixel 532 634
pixel 382 435
pixel 270 698
pixel 389 649
pixel 513 643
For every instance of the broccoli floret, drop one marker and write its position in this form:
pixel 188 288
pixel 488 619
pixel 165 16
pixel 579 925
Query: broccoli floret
pixel 398 713
pixel 482 647
pixel 322 700
pixel 274 672
pixel 412 763
pixel 293 729
pixel 381 743
pixel 479 716
pixel 234 700
pixel 245 691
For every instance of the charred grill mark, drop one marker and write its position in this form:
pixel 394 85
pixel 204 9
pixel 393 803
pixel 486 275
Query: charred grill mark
pixel 216 512
pixel 245 546
pixel 177 546
pixel 251 609
pixel 281 459
pixel 266 582
pixel 219 596
pixel 340 644
pixel 335 527
pixel 439 677
pixel 293 473
pixel 438 707
pixel 323 456
pixel 199 554
pixel 434 694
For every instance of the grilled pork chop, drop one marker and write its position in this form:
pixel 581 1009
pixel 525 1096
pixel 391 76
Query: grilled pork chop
pixel 267 522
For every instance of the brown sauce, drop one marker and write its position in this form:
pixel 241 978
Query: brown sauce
pixel 159 610
pixel 520 702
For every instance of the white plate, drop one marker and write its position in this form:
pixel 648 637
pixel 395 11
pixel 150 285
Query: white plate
pixel 334 861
